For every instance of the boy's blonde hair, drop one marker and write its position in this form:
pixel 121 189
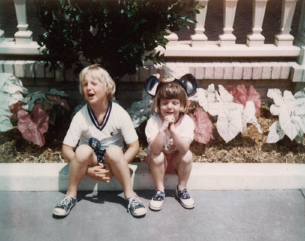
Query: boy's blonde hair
pixel 171 91
pixel 96 72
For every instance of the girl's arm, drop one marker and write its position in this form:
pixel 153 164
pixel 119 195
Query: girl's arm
pixel 181 144
pixel 157 144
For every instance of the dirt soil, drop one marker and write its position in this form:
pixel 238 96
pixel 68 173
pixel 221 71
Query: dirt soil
pixel 251 147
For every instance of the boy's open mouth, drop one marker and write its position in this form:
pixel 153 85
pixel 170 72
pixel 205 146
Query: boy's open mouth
pixel 90 95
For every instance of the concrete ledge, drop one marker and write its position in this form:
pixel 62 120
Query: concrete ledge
pixel 204 176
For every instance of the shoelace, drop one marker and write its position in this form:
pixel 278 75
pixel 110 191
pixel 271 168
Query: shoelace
pixel 184 194
pixel 134 200
pixel 159 196
pixel 66 201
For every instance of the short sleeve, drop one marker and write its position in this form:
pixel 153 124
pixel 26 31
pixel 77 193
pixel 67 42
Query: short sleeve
pixel 74 132
pixel 127 128
pixel 152 128
pixel 187 128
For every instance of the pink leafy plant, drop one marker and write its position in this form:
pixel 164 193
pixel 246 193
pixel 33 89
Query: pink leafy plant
pixel 33 128
pixel 242 96
pixel 203 126
pixel 15 108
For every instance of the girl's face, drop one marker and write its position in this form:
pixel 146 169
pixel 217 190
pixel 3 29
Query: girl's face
pixel 170 107
pixel 94 90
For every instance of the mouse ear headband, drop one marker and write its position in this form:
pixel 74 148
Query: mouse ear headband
pixel 188 82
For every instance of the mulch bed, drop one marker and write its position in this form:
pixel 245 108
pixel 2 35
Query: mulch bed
pixel 251 147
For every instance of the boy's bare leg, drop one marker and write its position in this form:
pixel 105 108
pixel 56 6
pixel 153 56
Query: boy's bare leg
pixel 157 168
pixel 120 169
pixel 183 166
pixel 84 157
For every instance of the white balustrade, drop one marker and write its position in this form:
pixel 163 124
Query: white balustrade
pixel 199 45
pixel 172 38
pixel 23 36
pixel 256 38
pixel 199 39
pixel 228 38
pixel 1 35
pixel 285 38
pixel 300 38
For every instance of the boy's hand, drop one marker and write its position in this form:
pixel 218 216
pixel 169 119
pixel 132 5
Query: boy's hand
pixel 109 174
pixel 99 173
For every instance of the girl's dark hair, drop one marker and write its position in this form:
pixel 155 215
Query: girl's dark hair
pixel 171 91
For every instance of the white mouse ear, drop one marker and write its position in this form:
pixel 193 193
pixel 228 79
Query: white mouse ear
pixel 190 83
pixel 151 85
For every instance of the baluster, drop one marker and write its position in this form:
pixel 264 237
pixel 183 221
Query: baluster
pixel 199 38
pixel 301 31
pixel 1 35
pixel 256 38
pixel 23 36
pixel 172 38
pixel 284 38
pixel 228 38
pixel 1 31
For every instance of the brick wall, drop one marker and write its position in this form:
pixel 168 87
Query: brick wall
pixel 129 92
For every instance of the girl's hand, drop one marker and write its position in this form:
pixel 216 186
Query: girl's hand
pixel 167 122
pixel 99 173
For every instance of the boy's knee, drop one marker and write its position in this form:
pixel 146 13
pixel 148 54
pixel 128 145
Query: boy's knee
pixel 83 153
pixel 114 154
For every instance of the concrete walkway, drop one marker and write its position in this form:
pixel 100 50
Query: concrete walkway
pixel 264 215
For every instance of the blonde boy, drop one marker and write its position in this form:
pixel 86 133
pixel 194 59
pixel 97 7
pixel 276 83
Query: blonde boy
pixel 94 142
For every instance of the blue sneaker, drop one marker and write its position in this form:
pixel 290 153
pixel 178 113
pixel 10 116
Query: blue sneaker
pixel 65 206
pixel 156 203
pixel 135 206
pixel 185 198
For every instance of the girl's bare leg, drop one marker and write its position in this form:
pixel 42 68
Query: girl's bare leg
pixel 157 167
pixel 183 166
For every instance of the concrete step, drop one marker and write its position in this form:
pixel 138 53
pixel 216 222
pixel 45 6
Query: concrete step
pixel 204 176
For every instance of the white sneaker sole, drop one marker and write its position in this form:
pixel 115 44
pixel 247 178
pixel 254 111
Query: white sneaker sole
pixel 155 208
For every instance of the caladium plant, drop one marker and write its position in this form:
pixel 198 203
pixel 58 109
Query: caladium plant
pixel 11 95
pixel 291 112
pixel 232 117
pixel 33 127
pixel 140 111
pixel 29 111
pixel 241 96
pixel 203 125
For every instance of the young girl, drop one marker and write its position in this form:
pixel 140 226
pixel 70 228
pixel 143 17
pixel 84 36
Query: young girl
pixel 169 134
pixel 93 144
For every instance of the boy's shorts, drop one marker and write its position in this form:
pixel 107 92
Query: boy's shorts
pixel 168 162
pixel 96 146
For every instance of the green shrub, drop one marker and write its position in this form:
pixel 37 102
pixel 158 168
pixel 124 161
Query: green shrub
pixel 117 34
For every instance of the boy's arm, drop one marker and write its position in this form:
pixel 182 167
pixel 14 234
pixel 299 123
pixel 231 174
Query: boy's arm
pixel 132 151
pixel 67 152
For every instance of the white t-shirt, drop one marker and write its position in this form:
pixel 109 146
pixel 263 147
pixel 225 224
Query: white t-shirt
pixel 185 127
pixel 116 127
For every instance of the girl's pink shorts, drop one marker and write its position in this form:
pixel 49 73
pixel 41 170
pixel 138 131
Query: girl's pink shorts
pixel 168 162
